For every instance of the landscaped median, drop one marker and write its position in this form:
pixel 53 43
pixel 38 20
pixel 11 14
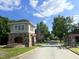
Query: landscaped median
pixel 75 50
pixel 6 53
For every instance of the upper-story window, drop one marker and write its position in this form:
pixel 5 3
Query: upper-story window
pixel 16 27
pixel 31 28
pixel 19 27
pixel 22 27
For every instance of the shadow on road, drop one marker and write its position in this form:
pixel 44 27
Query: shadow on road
pixel 53 44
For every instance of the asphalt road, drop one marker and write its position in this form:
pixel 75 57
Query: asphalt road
pixel 51 51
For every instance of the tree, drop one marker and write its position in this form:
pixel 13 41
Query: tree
pixel 43 29
pixel 4 28
pixel 75 29
pixel 61 26
pixel 51 36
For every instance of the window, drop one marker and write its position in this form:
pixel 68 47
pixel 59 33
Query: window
pixel 31 28
pixel 22 27
pixel 19 27
pixel 16 28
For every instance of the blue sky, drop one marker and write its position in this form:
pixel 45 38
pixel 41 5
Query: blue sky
pixel 39 10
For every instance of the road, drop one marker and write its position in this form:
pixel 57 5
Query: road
pixel 51 51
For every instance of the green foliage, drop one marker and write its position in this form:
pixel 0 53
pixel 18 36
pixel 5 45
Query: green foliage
pixel 51 36
pixel 75 29
pixel 61 26
pixel 4 28
pixel 43 29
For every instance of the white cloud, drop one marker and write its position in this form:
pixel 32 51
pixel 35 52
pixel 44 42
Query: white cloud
pixel 39 15
pixel 76 19
pixel 33 3
pixel 10 4
pixel 45 21
pixel 52 7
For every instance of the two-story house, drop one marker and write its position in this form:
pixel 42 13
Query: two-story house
pixel 22 32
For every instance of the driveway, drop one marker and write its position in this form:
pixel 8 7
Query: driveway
pixel 51 50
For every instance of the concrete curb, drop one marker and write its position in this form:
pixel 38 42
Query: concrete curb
pixel 73 51
pixel 21 55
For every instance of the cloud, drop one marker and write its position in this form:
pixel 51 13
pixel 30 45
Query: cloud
pixel 39 15
pixel 33 3
pixel 45 21
pixel 52 7
pixel 10 4
pixel 75 19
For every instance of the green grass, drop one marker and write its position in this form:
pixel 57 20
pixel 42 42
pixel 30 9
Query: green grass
pixel 76 50
pixel 11 52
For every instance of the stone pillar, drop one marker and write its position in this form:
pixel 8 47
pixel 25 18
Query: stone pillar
pixel 73 43
pixel 26 40
pixel 35 39
pixel 11 39
pixel 30 40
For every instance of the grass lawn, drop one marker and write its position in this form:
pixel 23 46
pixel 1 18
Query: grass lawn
pixel 76 50
pixel 6 53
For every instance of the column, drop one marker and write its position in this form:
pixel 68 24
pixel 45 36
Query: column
pixel 73 44
pixel 30 40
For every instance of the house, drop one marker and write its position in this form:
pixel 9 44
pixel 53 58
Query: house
pixel 72 40
pixel 21 32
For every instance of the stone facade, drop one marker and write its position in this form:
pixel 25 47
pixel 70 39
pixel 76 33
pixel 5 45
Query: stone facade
pixel 23 35
pixel 71 40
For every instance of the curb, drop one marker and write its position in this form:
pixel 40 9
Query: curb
pixel 73 51
pixel 21 55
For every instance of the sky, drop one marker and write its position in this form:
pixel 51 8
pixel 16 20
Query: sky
pixel 39 10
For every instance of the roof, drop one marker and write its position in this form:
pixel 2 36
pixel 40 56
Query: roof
pixel 73 35
pixel 22 20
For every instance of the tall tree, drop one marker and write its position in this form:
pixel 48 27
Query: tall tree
pixel 4 28
pixel 61 26
pixel 43 29
pixel 75 29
